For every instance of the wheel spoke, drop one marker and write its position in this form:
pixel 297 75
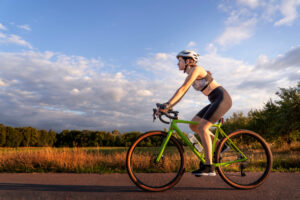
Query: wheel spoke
pixel 251 172
pixel 143 168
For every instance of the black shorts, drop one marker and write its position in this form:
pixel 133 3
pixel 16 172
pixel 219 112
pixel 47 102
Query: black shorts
pixel 220 103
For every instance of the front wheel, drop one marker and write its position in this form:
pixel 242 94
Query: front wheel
pixel 247 162
pixel 143 169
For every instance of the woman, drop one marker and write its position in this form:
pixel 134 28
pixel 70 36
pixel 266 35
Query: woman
pixel 220 103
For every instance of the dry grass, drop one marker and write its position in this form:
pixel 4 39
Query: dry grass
pixel 109 160
pixel 60 160
pixel 295 146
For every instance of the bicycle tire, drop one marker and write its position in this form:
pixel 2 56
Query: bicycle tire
pixel 248 174
pixel 148 177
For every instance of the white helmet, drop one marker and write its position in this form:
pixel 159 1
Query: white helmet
pixel 188 54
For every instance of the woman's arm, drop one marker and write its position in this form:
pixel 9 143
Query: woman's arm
pixel 197 72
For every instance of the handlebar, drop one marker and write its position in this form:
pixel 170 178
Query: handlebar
pixel 169 114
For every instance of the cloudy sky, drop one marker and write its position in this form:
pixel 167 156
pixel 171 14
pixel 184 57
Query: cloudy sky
pixel 102 65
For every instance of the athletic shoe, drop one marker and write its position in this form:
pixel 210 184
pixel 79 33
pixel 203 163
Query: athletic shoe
pixel 205 170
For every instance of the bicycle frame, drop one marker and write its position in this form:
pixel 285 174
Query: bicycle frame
pixel 174 127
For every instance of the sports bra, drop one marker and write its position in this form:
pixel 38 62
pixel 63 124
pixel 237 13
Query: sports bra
pixel 201 84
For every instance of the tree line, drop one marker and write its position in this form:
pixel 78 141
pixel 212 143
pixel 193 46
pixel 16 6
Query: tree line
pixel 25 137
pixel 277 121
pixel 31 137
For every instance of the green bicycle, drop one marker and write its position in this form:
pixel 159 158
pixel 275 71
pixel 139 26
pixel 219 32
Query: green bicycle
pixel 156 162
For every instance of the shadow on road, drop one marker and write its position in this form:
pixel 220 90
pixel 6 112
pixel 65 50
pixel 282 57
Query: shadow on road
pixel 67 188
pixel 201 188
pixel 86 188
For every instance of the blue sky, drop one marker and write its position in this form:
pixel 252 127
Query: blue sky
pixel 133 28
pixel 80 64
pixel 128 28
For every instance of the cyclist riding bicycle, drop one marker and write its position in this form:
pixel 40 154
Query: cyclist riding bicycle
pixel 220 103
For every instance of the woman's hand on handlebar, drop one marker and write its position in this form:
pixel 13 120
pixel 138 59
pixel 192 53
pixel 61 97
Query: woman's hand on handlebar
pixel 162 109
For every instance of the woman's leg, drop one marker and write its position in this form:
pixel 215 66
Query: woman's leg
pixel 194 128
pixel 205 135
pixel 202 129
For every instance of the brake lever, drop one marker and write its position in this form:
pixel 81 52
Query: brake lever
pixel 173 112
pixel 167 114
pixel 161 119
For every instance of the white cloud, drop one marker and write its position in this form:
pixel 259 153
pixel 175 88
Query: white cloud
pixel 235 34
pixel 2 35
pixel 289 11
pixel 2 83
pixel 249 85
pixel 43 97
pixel 145 93
pixel 262 60
pixel 252 85
pixel 2 27
pixel 245 15
pixel 191 44
pixel 288 65
pixel 239 25
pixel 238 16
pixel 159 64
pixel 53 90
pixel 75 91
pixel 211 48
pixel 249 3
pixel 41 94
pixel 161 56
pixel 25 27
pixel 14 39
pixel 270 10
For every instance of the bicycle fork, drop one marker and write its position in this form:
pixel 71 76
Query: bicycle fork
pixel 163 146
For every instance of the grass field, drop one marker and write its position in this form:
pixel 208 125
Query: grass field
pixel 286 158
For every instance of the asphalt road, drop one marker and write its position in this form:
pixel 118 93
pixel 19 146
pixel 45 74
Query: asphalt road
pixel 118 186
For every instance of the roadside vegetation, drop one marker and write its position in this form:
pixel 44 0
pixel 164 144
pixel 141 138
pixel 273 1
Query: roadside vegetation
pixel 110 159
pixel 26 149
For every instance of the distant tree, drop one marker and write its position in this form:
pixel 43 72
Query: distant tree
pixel 115 132
pixel 289 105
pixel 75 136
pixel 26 132
pixel 13 137
pixel 129 138
pixel 109 139
pixel 51 137
pixel 99 137
pixel 2 135
pixel 65 139
pixel 43 141
pixel 35 137
pixel 119 142
pixel 289 114
pixel 84 138
pixel 236 121
pixel 276 121
pixel 265 121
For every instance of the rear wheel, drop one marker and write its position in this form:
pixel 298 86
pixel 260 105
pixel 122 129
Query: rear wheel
pixel 250 166
pixel 142 167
